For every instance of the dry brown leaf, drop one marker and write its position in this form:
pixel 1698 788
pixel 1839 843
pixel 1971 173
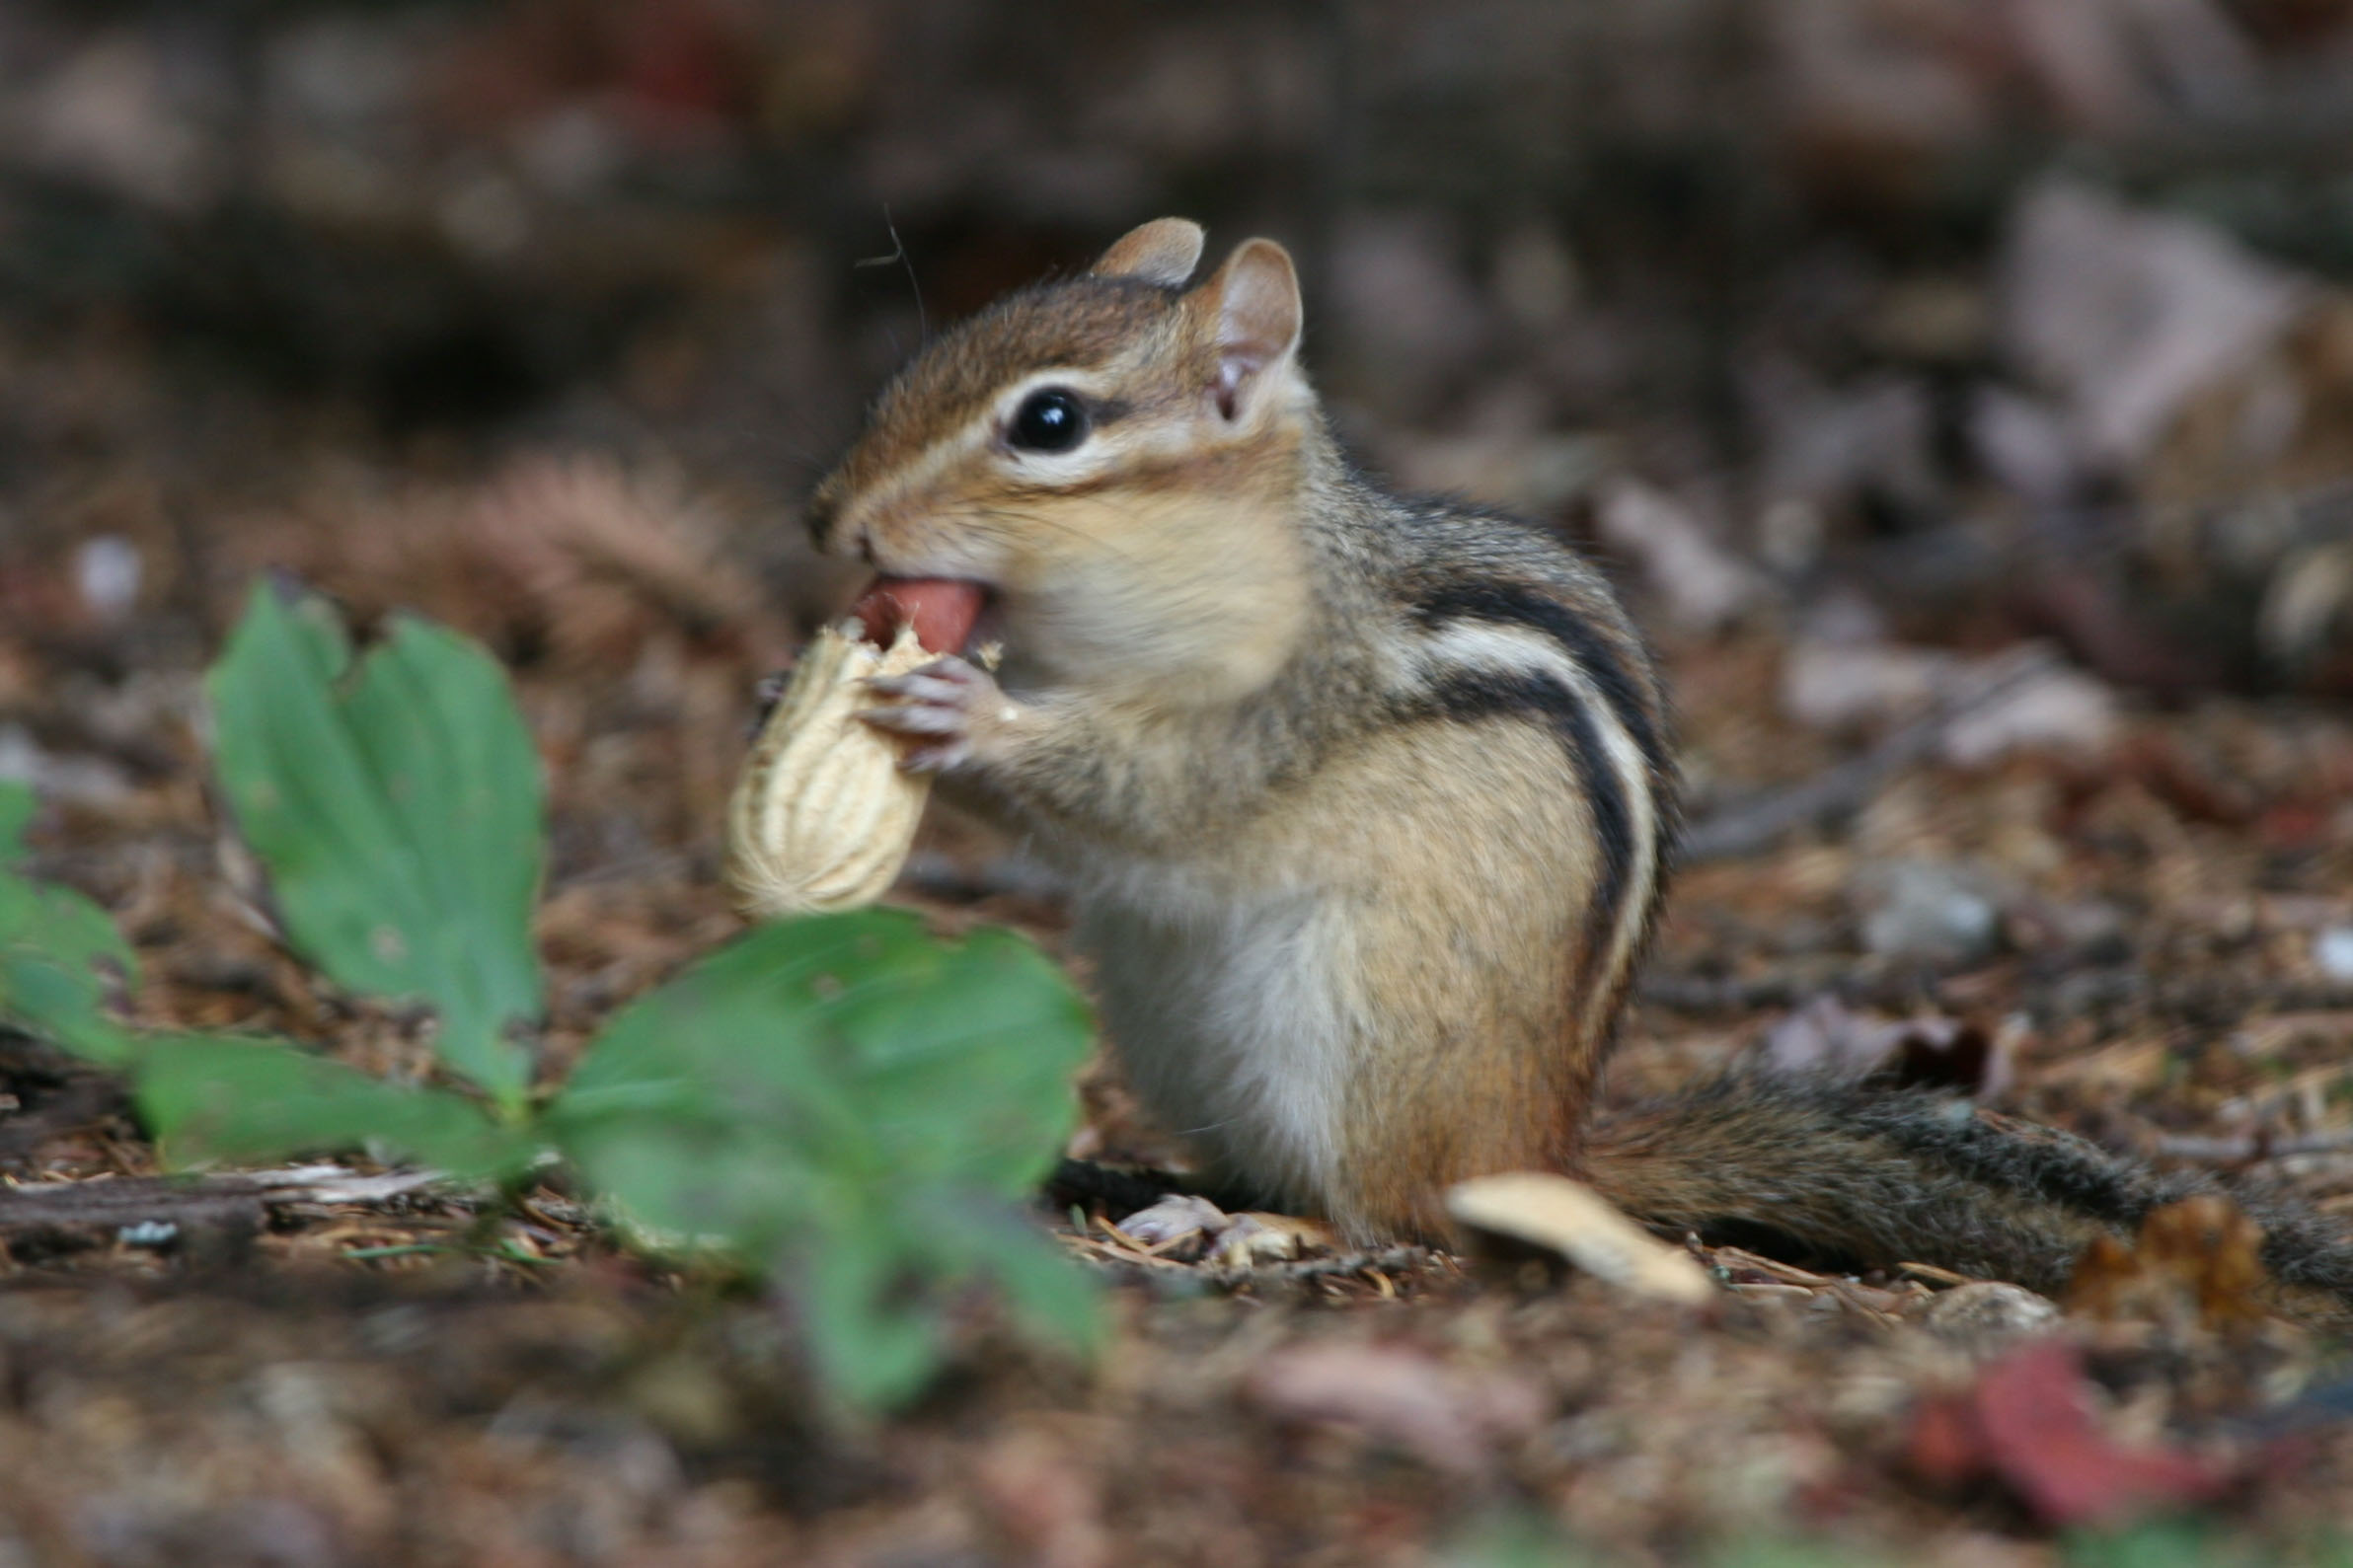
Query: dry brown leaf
pixel 2030 1422
pixel 1931 1051
pixel 1450 1420
pixel 1703 586
pixel 1042 1492
pixel 2130 314
pixel 2196 1261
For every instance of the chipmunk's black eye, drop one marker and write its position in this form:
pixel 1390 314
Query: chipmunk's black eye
pixel 1049 419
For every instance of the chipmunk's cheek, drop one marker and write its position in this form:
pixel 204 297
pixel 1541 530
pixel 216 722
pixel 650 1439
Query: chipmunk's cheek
pixel 942 611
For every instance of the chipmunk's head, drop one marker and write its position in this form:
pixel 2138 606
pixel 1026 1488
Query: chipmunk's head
pixel 1113 458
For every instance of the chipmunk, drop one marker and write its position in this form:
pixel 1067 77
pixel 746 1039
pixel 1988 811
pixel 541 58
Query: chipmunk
pixel 1366 803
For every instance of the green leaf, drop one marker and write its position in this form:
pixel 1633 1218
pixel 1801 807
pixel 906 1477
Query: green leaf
pixel 215 1098
pixel 1515 1538
pixel 61 926
pixel 397 806
pixel 17 806
pixel 2162 1543
pixel 1050 1300
pixel 852 1094
pixel 64 1005
pixel 875 1342
pixel 852 1050
pixel 871 1287
pixel 58 952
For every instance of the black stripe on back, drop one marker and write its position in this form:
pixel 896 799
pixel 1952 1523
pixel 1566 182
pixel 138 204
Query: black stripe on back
pixel 1472 695
pixel 1516 604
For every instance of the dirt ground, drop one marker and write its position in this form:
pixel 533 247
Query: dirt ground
pixel 307 1380
pixel 2010 659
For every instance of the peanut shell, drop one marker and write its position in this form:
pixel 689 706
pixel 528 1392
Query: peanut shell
pixel 822 815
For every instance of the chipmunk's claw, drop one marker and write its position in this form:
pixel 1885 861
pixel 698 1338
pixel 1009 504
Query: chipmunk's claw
pixel 946 704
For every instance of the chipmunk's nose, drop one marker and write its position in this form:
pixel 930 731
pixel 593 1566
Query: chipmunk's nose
pixel 831 535
pixel 821 513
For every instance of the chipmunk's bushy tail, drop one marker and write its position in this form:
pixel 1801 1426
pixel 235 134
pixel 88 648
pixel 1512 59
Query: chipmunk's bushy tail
pixel 1857 1175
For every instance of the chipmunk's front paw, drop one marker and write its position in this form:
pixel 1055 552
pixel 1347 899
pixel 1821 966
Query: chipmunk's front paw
pixel 953 707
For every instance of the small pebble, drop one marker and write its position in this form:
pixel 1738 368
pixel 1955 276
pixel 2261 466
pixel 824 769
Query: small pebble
pixel 2333 950
pixel 1985 1315
pixel 106 572
pixel 1928 910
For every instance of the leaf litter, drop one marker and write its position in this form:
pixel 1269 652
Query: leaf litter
pixel 1354 1401
pixel 2149 954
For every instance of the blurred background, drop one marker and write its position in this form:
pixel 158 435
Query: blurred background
pixel 1861 338
pixel 1961 390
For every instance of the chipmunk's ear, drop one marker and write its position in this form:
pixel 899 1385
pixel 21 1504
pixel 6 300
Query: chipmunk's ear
pixel 1163 252
pixel 1255 298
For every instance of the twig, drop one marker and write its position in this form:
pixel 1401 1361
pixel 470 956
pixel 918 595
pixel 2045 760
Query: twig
pixel 1897 985
pixel 1150 1251
pixel 1750 826
pixel 1729 993
pixel 1771 1268
pixel 1140 1264
pixel 1773 1291
pixel 2254 1147
pixel 1388 1258
pixel 1850 1297
pixel 138 1199
pixel 211 1215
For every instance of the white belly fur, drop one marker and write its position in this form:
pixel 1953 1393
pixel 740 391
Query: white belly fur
pixel 1234 1019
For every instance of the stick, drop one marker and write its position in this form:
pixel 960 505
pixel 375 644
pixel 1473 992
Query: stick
pixel 2259 1145
pixel 1388 1258
pixel 1750 826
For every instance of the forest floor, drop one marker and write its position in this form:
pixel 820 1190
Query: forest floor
pixel 1832 334
pixel 2141 935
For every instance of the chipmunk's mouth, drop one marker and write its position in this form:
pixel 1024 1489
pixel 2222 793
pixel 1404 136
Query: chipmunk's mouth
pixel 945 611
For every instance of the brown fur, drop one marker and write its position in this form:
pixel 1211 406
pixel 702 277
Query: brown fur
pixel 1366 801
